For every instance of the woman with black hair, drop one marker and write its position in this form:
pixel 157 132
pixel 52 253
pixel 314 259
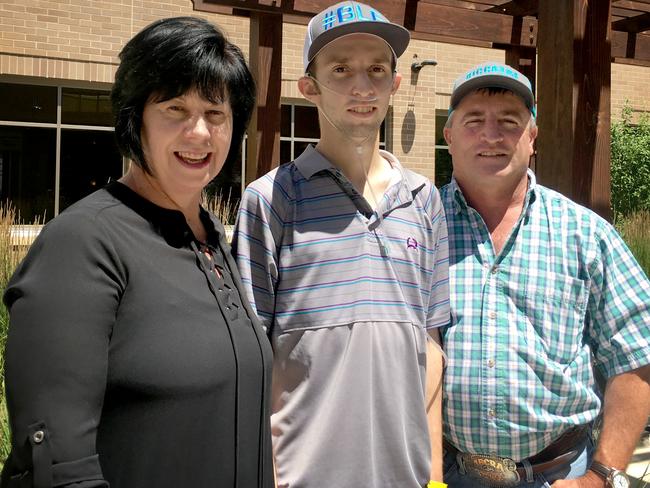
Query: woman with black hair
pixel 132 358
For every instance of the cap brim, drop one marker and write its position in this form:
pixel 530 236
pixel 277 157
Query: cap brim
pixel 396 36
pixel 491 81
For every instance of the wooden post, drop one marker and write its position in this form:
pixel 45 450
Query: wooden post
pixel 592 140
pixel 574 57
pixel 263 146
pixel 523 59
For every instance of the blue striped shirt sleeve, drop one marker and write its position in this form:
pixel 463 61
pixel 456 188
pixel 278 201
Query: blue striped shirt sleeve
pixel 256 242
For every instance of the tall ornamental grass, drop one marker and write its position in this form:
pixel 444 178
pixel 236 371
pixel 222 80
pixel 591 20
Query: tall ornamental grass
pixel 635 230
pixel 221 205
pixel 15 239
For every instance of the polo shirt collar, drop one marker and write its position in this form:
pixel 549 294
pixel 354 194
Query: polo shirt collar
pixel 311 162
pixel 409 185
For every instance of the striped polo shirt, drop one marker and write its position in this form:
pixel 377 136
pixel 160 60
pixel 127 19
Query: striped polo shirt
pixel 346 298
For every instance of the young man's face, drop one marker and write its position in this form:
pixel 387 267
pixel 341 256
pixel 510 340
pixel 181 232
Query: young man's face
pixel 354 81
pixel 490 137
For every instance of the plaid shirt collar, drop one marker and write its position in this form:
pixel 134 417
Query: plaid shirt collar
pixel 460 204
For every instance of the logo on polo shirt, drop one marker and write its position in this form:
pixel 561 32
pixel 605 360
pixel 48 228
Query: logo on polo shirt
pixel 350 13
pixel 411 243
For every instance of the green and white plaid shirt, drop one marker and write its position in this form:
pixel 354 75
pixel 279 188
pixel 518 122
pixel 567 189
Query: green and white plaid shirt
pixel 526 324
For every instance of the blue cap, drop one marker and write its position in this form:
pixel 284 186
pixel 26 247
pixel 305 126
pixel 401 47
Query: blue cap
pixel 493 75
pixel 351 18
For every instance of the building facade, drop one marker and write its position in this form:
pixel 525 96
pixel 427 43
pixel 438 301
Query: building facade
pixel 58 59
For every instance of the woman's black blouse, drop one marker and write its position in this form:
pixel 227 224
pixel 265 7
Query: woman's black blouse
pixel 129 360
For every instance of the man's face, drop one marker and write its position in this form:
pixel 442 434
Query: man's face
pixel 354 82
pixel 490 137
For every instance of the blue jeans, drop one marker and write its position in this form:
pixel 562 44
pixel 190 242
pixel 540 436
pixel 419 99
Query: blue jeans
pixel 574 469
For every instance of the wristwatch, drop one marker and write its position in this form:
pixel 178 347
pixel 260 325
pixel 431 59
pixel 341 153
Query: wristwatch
pixel 614 478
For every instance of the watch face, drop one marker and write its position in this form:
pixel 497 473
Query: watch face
pixel 619 480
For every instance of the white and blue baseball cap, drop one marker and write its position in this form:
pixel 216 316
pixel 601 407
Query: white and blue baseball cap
pixel 351 18
pixel 493 75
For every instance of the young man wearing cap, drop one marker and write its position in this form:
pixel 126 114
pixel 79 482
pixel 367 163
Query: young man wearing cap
pixel 344 252
pixel 542 291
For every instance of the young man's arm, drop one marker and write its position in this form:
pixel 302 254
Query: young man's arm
pixel 255 245
pixel 435 366
pixel 438 315
pixel 256 242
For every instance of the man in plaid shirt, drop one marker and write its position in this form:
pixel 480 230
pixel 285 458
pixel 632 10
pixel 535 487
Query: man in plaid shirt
pixel 543 292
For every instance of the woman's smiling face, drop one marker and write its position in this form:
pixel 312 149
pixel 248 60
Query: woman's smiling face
pixel 185 141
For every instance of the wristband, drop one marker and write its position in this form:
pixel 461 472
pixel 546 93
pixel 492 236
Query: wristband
pixel 436 484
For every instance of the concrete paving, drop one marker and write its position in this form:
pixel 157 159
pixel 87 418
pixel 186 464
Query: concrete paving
pixel 639 468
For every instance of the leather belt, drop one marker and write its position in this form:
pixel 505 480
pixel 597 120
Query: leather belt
pixel 503 472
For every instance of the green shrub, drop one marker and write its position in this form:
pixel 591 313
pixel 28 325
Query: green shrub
pixel 630 152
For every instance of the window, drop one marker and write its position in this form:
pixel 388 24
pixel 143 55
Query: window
pixel 26 103
pixel 86 107
pixel 299 128
pixel 27 170
pixel 443 158
pixel 89 159
pixel 56 147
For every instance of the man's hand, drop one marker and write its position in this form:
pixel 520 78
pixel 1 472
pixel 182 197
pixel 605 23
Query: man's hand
pixel 434 371
pixel 625 413
pixel 589 480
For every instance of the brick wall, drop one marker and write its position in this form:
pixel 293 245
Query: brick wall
pixel 422 94
pixel 631 85
pixel 77 41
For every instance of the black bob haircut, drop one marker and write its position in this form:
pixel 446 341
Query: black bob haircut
pixel 169 58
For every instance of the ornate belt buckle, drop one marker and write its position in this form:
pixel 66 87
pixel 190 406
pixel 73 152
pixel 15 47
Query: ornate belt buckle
pixel 494 471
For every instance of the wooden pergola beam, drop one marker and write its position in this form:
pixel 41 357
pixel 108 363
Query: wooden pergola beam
pixel 574 100
pixel 516 8
pixel 634 47
pixel 455 22
pixel 452 22
pixel 636 24
pixel 643 5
